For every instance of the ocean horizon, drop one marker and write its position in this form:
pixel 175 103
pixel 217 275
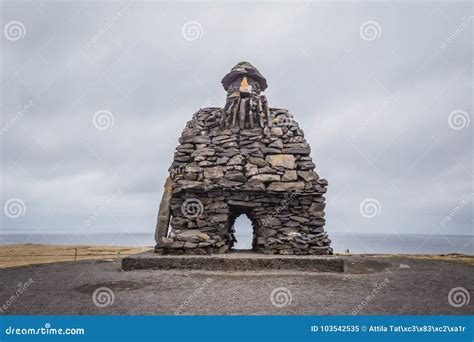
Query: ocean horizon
pixel 341 242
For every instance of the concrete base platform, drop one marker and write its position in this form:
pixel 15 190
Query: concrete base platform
pixel 235 261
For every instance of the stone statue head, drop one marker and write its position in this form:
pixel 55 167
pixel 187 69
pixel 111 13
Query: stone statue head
pixel 244 73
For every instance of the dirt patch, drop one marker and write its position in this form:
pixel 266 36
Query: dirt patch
pixel 364 265
pixel 123 285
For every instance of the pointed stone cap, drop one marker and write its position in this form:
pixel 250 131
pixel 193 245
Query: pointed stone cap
pixel 244 69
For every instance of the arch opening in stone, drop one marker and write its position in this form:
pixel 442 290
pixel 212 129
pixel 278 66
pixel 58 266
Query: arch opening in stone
pixel 242 226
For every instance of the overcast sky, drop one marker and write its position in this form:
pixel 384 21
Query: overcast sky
pixel 383 92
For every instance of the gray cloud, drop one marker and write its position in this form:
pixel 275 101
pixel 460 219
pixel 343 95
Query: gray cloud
pixel 375 112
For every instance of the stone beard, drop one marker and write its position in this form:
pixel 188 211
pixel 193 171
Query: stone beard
pixel 245 107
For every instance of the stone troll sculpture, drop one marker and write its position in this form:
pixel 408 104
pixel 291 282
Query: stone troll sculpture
pixel 245 158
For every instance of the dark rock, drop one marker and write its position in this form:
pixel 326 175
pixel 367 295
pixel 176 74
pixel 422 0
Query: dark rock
pixel 303 151
pixel 305 165
pixel 235 176
pixel 284 160
pixel 316 208
pixel 214 172
pixel 236 160
pixel 285 186
pixel 257 161
pixel 265 178
pixel 277 144
pixel 271 150
pixel 222 160
pixel 289 175
pixel 308 175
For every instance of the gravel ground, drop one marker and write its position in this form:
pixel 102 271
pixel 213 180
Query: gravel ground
pixel 371 285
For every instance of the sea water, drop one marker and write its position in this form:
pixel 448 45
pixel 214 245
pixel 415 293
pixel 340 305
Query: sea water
pixel 341 242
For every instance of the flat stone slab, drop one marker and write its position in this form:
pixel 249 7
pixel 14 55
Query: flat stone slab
pixel 235 261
